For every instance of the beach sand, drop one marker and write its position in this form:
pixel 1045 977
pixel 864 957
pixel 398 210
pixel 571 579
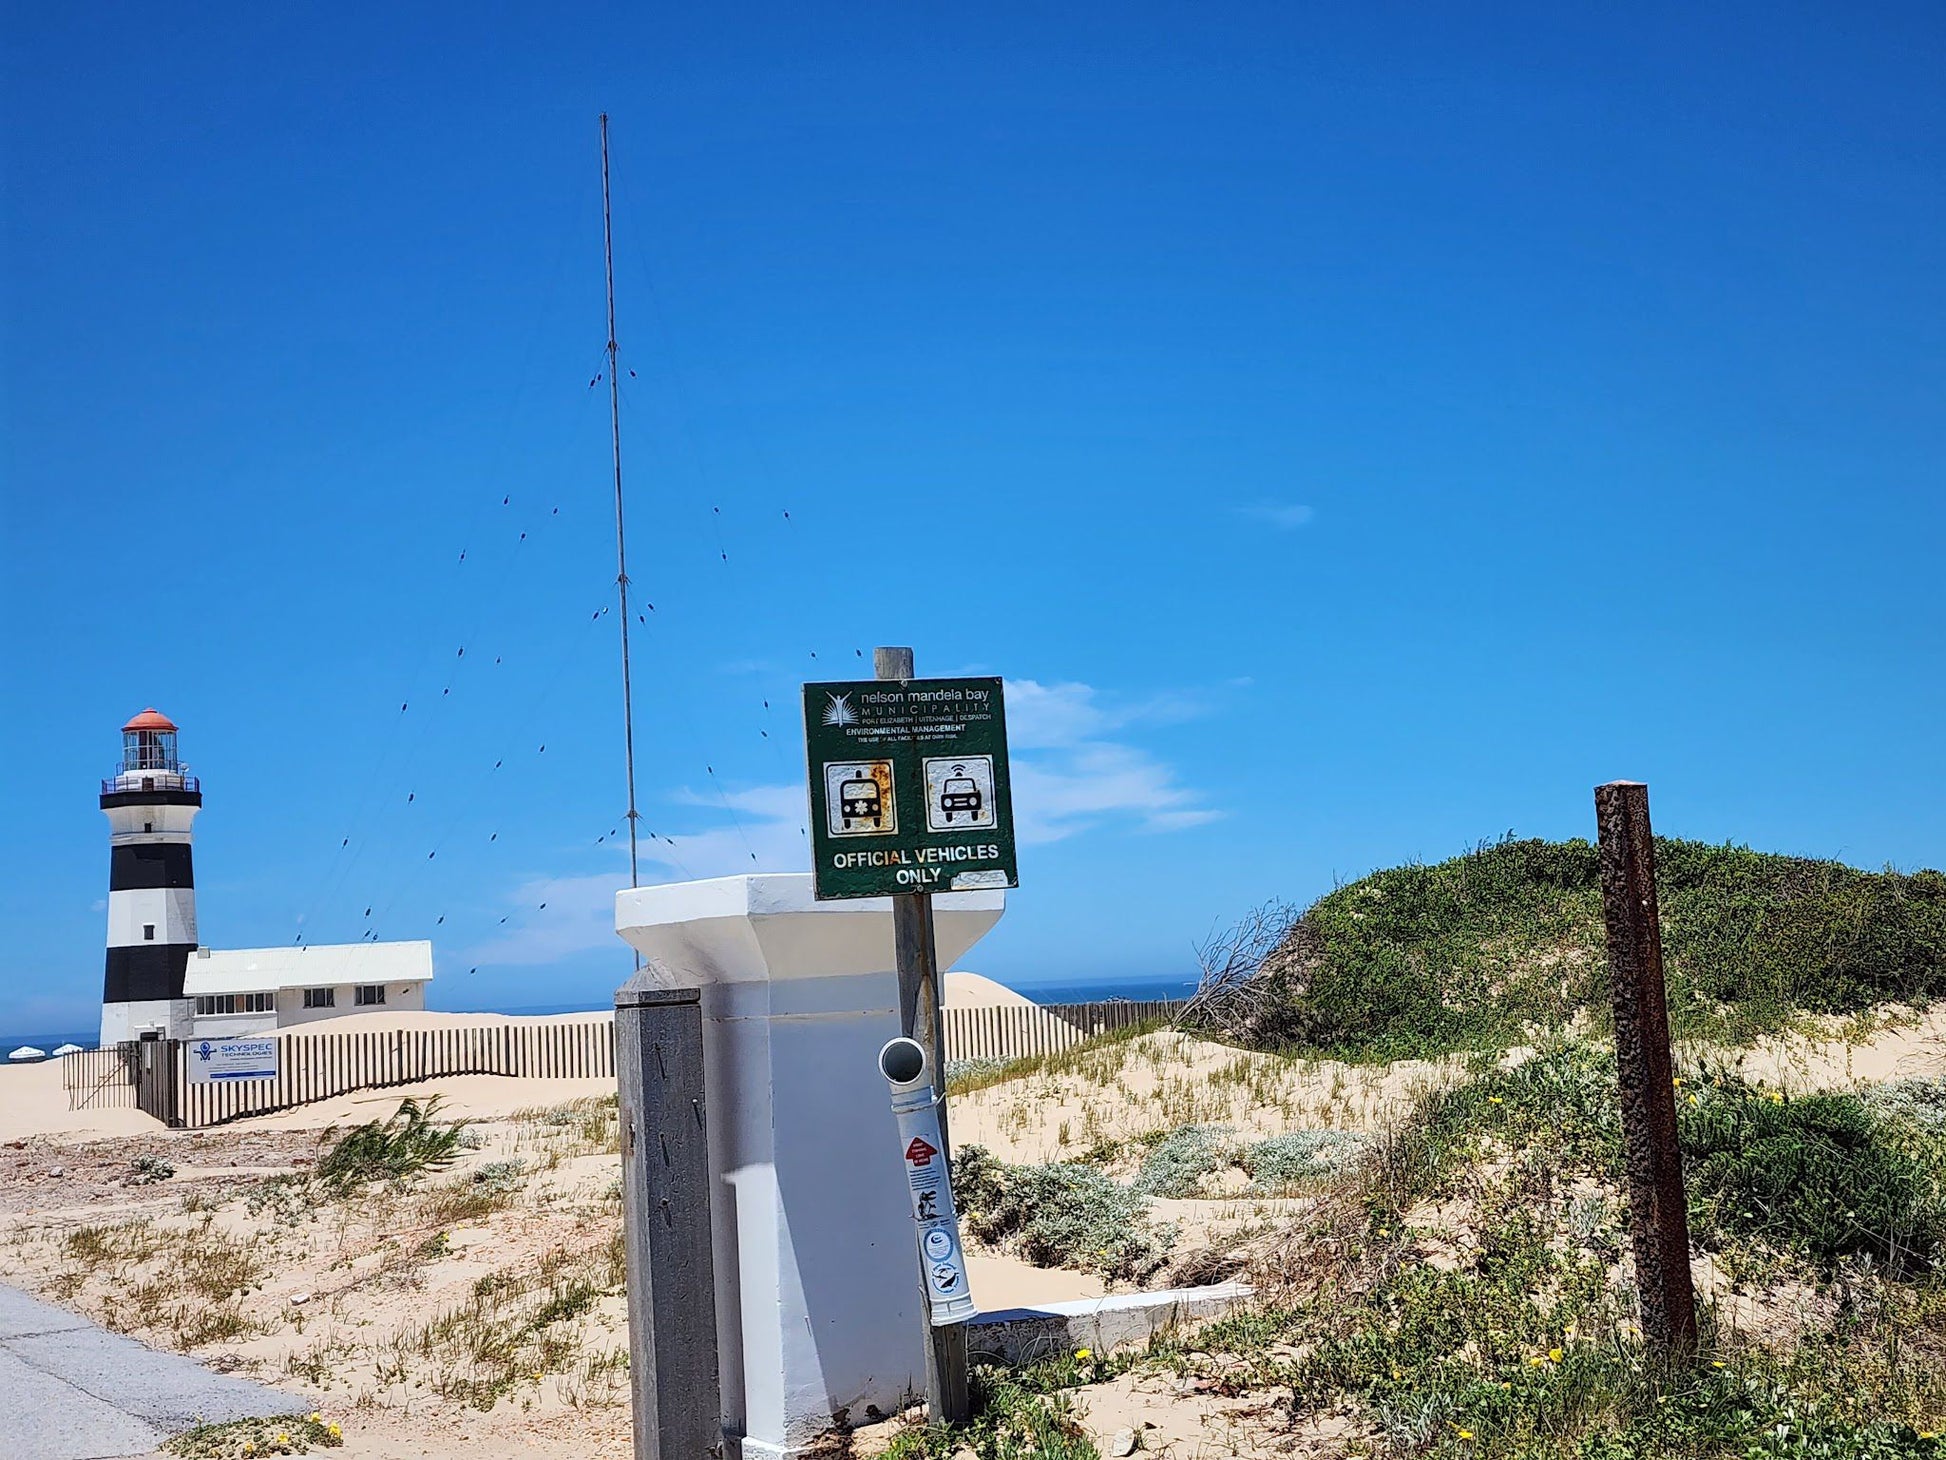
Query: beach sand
pixel 397 1314
pixel 478 1312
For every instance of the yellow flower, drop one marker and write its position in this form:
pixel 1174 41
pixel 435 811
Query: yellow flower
pixel 1084 1353
pixel 1677 1082
pixel 335 1431
pixel 1466 1434
pixel 314 1417
pixel 1693 1100
pixel 1495 1100
pixel 1554 1355
pixel 1717 1364
pixel 1535 1362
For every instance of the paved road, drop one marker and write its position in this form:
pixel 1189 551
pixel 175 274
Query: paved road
pixel 70 1390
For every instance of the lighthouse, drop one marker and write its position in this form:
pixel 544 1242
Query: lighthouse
pixel 150 803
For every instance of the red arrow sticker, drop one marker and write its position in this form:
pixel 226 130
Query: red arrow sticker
pixel 919 1153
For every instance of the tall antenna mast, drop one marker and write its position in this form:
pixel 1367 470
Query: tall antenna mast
pixel 621 540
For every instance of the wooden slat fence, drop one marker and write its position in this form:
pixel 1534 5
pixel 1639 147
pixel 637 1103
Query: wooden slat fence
pixel 99 1079
pixel 327 1063
pixel 316 1065
pixel 1017 1031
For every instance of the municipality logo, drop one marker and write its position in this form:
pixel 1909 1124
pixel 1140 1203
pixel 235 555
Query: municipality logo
pixel 838 710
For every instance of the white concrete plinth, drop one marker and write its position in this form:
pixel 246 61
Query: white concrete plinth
pixel 817 1278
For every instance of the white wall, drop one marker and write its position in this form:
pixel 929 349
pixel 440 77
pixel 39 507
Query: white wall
pixel 170 910
pixel 169 1017
pixel 814 1247
pixel 398 996
pixel 126 823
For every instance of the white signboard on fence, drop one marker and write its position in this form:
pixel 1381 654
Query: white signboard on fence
pixel 231 1059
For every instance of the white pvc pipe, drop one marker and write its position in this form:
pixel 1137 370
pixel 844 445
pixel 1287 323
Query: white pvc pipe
pixel 903 1063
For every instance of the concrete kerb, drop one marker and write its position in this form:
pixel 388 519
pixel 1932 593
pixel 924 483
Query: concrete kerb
pixel 1024 1335
pixel 70 1390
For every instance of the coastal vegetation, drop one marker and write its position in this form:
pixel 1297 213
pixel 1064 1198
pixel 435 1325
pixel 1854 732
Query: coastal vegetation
pixel 1482 950
pixel 1445 1268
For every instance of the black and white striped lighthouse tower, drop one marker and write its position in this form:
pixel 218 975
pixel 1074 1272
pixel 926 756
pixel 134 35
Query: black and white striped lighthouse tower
pixel 151 887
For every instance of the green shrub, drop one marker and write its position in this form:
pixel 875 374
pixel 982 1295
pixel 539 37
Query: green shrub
pixel 1920 1104
pixel 974 1068
pixel 147 1170
pixel 1180 1160
pixel 1013 1419
pixel 1826 1176
pixel 281 1434
pixel 1561 1101
pixel 1471 952
pixel 1819 1174
pixel 406 1143
pixel 1283 1162
pixel 500 1177
pixel 1061 1215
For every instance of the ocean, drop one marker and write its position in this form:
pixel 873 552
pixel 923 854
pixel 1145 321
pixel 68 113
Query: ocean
pixel 1074 991
pixel 86 1038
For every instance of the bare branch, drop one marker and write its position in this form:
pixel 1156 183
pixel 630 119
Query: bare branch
pixel 1236 993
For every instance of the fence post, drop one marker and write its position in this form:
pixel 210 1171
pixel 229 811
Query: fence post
pixel 666 1217
pixel 1658 1205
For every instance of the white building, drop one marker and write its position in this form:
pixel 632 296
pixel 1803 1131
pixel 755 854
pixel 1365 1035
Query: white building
pixel 251 990
pixel 159 982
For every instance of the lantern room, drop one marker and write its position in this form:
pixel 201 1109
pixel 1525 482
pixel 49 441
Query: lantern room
pixel 149 743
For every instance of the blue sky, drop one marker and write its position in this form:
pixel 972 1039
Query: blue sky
pixel 1354 431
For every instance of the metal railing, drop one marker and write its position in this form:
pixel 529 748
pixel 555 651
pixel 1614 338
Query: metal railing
pixel 150 781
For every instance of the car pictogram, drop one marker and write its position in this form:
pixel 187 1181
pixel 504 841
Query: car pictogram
pixel 860 801
pixel 960 794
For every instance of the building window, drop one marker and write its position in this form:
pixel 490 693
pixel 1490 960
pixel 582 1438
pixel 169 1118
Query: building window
pixel 370 993
pixel 148 826
pixel 148 932
pixel 235 1003
pixel 320 998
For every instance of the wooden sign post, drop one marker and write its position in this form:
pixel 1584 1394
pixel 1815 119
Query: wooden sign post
pixel 1658 1206
pixel 919 1019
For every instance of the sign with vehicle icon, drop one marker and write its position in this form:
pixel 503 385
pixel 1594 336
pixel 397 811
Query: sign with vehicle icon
pixel 859 799
pixel 909 786
pixel 959 792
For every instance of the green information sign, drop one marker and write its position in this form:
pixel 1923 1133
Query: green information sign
pixel 909 787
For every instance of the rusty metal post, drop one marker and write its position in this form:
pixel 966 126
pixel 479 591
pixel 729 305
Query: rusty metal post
pixel 1658 1206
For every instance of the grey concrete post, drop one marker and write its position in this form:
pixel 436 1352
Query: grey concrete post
pixel 666 1213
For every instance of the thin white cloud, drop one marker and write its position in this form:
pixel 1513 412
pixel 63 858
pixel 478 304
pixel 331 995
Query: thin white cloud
pixel 1074 777
pixel 551 918
pixel 1284 516
pixel 1065 793
pixel 1070 776
pixel 1052 716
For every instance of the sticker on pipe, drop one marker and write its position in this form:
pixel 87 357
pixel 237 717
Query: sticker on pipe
pixel 930 1187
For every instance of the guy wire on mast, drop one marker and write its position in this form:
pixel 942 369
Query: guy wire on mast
pixel 621 542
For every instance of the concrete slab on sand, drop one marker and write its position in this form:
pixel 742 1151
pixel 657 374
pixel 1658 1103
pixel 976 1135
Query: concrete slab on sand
pixel 1022 1335
pixel 70 1390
